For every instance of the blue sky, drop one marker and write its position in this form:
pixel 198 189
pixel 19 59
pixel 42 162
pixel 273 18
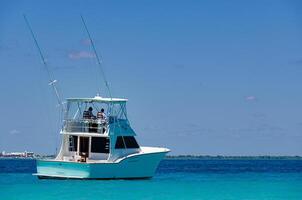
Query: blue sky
pixel 202 77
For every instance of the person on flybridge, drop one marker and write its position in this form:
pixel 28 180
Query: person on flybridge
pixel 90 113
pixel 101 117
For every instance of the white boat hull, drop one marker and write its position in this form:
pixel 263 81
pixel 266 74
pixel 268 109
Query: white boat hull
pixel 135 166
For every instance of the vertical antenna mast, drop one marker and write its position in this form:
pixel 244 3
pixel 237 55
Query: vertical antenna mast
pixel 52 81
pixel 97 57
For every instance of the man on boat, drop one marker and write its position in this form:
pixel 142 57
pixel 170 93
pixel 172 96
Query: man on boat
pixel 101 116
pixel 90 113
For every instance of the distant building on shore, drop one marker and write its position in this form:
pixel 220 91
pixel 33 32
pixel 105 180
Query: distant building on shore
pixel 24 154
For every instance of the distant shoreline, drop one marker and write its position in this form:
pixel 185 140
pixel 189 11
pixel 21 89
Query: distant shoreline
pixel 219 157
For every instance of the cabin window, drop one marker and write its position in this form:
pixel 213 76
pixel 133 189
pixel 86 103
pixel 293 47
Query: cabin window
pixel 73 143
pixel 119 143
pixel 99 145
pixel 130 142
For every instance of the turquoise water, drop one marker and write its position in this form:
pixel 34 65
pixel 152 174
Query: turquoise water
pixel 175 179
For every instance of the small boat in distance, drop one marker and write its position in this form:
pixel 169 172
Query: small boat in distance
pixel 97 146
pixel 97 139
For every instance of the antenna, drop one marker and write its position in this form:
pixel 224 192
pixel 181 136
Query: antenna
pixel 97 57
pixel 52 81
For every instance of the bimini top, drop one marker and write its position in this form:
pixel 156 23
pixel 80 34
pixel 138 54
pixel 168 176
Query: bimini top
pixel 98 99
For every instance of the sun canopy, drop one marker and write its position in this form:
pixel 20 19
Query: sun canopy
pixel 98 99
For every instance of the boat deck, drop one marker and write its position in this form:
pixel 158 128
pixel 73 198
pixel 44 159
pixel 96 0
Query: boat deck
pixel 143 151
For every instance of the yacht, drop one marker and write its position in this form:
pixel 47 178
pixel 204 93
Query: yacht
pixel 97 139
pixel 99 143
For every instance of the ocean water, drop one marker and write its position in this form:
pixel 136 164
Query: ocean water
pixel 174 179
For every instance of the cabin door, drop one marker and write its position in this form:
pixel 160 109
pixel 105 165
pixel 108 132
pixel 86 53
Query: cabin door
pixel 84 146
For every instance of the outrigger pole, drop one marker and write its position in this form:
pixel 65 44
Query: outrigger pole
pixel 52 81
pixel 97 57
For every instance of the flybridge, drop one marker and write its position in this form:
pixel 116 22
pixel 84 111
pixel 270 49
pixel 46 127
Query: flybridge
pixel 96 115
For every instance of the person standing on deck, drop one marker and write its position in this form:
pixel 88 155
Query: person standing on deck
pixel 90 113
pixel 102 114
pixel 102 119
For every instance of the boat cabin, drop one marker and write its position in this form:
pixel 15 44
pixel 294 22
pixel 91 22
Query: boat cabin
pixel 96 129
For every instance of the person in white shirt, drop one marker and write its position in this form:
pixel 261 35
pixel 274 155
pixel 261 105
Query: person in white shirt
pixel 101 116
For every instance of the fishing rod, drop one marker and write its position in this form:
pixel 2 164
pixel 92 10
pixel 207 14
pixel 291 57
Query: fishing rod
pixel 52 81
pixel 97 57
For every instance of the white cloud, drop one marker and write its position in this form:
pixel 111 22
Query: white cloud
pixel 250 98
pixel 14 132
pixel 86 42
pixel 80 55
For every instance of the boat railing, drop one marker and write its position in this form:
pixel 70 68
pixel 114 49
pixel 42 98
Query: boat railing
pixel 85 125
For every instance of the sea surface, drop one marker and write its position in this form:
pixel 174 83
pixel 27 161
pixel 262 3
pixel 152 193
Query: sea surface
pixel 174 179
